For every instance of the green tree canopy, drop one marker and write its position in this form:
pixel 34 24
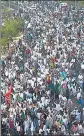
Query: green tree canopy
pixel 10 29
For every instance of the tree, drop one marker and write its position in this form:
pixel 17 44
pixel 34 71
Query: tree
pixel 6 13
pixel 10 29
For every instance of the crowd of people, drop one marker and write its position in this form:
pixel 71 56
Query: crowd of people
pixel 42 83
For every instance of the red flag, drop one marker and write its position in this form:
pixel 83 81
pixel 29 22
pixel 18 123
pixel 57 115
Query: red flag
pixel 7 94
pixel 9 91
pixel 7 99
